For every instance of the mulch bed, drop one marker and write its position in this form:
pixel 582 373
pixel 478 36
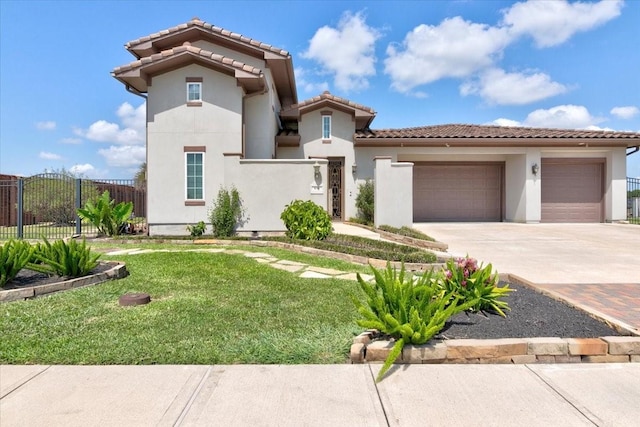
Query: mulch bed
pixel 532 314
pixel 28 278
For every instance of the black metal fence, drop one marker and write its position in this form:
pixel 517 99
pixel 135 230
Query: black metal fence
pixel 46 205
pixel 633 200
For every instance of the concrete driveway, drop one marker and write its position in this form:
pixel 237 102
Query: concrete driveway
pixel 548 253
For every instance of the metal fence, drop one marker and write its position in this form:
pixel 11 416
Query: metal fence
pixel 633 200
pixel 46 205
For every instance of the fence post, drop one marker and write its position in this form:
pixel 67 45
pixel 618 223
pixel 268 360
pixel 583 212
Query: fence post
pixel 78 205
pixel 19 228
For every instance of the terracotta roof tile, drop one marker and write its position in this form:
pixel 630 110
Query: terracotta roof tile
pixel 193 50
pixel 328 96
pixel 482 131
pixel 195 22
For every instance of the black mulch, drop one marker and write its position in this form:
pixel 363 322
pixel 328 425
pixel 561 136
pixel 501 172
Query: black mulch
pixel 532 314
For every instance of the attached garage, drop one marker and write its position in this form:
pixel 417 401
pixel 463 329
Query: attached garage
pixel 448 191
pixel 572 190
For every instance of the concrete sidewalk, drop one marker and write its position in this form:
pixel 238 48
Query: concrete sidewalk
pixel 321 395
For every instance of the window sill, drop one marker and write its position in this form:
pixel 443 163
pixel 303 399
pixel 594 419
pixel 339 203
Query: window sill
pixel 326 141
pixel 194 104
pixel 194 202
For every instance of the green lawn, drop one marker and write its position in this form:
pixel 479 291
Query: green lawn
pixel 205 309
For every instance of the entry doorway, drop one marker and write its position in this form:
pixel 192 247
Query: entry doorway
pixel 335 170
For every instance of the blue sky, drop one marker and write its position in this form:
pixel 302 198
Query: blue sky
pixel 542 64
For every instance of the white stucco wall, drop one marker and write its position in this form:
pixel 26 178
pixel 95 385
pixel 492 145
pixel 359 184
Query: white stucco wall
pixel 267 186
pixel 616 185
pixel 172 125
pixel 393 193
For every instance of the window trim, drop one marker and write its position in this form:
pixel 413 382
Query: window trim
pixel 197 82
pixel 199 201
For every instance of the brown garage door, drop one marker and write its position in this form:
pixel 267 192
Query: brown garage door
pixel 457 191
pixel 572 190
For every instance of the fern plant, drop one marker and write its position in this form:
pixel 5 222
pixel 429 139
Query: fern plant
pixel 410 311
pixel 108 218
pixel 59 258
pixel 14 256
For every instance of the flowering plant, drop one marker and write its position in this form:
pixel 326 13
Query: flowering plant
pixel 464 278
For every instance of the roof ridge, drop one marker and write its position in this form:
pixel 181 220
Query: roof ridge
pixel 329 96
pixel 197 22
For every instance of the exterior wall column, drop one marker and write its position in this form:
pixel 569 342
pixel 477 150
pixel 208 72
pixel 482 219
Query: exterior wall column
pixel 393 193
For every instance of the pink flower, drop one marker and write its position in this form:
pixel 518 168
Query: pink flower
pixel 464 283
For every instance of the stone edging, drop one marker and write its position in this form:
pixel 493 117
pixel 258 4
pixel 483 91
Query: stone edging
pixel 367 348
pixel 406 240
pixel 118 271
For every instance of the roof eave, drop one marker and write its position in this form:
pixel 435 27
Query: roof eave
pixel 360 141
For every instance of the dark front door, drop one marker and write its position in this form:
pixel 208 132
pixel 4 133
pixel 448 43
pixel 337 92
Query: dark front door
pixel 336 169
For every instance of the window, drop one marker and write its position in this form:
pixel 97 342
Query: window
pixel 194 92
pixel 195 176
pixel 326 127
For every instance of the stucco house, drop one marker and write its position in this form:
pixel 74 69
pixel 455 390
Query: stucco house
pixel 223 110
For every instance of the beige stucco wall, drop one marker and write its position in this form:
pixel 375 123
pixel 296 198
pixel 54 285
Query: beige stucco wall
pixel 393 193
pixel 267 186
pixel 171 125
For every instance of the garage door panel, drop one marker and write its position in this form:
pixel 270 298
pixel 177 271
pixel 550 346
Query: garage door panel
pixel 572 190
pixel 458 192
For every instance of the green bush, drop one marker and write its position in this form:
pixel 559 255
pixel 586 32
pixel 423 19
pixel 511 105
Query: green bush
pixel 14 256
pixel 410 311
pixel 306 221
pixel 365 202
pixel 226 213
pixel 197 230
pixel 465 279
pixel 108 218
pixel 63 259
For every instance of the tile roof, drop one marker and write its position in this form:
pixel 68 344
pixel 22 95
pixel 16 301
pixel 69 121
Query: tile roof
pixel 187 48
pixel 326 95
pixel 197 23
pixel 482 131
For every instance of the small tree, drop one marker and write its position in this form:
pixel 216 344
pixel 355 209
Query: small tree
pixel 365 202
pixel 226 213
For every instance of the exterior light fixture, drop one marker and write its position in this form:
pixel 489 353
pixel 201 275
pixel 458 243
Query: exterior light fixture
pixel 354 168
pixel 316 170
pixel 535 169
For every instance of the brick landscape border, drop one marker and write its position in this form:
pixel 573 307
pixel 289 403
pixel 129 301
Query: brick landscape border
pixel 118 271
pixel 368 348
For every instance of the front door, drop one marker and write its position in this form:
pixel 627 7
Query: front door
pixel 336 171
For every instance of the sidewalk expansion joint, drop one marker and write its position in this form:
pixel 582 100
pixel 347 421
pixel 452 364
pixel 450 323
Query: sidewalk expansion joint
pixel 193 397
pixel 375 384
pixel 37 374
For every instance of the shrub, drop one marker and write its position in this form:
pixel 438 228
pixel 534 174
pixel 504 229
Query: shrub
pixel 306 221
pixel 464 278
pixel 63 259
pixel 198 229
pixel 365 202
pixel 226 213
pixel 14 256
pixel 410 311
pixel 108 218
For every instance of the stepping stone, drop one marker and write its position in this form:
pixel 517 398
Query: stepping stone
pixel 141 251
pixel 289 268
pixel 348 276
pixel 266 260
pixel 122 252
pixel 314 275
pixel 286 262
pixel 235 252
pixel 257 255
pixel 322 270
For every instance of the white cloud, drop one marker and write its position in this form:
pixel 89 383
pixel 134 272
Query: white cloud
pixel 563 117
pixel 71 141
pixel 454 48
pixel 625 112
pixel 82 170
pixel 123 156
pixel 49 156
pixel 309 87
pixel 48 125
pixel 505 122
pixel 551 23
pixel 499 87
pixel 133 132
pixel 347 51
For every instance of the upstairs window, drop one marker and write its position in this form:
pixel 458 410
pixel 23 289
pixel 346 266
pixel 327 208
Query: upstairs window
pixel 194 92
pixel 326 127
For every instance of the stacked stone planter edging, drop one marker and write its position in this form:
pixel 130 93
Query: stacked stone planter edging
pixel 118 271
pixel 406 240
pixel 366 348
